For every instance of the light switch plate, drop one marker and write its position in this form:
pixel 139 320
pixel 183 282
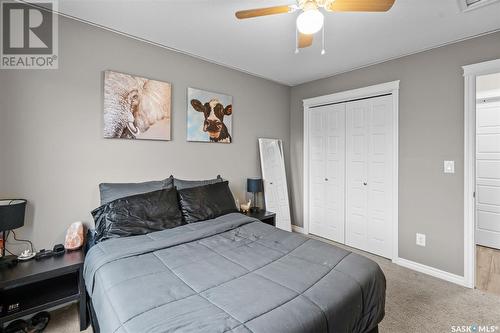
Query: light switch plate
pixel 420 239
pixel 449 166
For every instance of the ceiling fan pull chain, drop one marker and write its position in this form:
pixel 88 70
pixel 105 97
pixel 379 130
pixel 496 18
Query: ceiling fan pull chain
pixel 296 40
pixel 323 40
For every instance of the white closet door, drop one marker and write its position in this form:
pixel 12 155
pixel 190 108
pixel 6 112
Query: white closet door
pixel 357 173
pixel 369 188
pixel 327 162
pixel 275 185
pixel 317 172
pixel 488 174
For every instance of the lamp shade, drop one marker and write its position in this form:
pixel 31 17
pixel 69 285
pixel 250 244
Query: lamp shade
pixel 254 185
pixel 12 213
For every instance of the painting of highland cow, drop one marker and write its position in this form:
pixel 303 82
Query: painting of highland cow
pixel 136 108
pixel 209 116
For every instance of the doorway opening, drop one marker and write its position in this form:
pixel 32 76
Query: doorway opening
pixel 482 176
pixel 487 230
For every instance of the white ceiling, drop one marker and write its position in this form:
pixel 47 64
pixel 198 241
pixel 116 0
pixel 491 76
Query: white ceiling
pixel 265 46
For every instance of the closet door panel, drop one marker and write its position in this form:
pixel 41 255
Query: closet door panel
pixel 369 175
pixel 335 175
pixel 380 170
pixel 327 160
pixel 317 166
pixel 356 173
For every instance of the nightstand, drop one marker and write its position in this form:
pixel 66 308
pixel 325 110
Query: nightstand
pixel 264 216
pixel 33 286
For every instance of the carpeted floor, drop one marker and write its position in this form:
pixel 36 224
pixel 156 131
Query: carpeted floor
pixel 415 303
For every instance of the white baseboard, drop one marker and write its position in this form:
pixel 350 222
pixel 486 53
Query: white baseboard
pixel 450 277
pixel 296 228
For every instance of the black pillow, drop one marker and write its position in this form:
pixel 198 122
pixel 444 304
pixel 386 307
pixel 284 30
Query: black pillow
pixel 206 202
pixel 137 215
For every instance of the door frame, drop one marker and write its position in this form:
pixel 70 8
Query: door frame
pixel 471 72
pixel 345 96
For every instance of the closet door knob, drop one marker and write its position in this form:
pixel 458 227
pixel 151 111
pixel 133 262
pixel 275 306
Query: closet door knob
pixel 326 179
pixel 365 183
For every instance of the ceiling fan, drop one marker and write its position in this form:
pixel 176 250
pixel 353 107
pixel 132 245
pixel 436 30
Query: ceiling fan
pixel 311 19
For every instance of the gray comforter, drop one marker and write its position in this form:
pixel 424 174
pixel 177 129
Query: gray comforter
pixel 231 274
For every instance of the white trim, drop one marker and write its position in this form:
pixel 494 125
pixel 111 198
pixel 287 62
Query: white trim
pixel 297 229
pixel 395 177
pixel 482 68
pixel 305 176
pixel 470 74
pixel 430 271
pixel 466 8
pixel 370 91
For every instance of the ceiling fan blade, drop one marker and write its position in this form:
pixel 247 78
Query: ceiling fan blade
pixel 305 40
pixel 244 14
pixel 359 5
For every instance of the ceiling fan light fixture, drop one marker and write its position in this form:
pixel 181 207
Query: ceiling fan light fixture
pixel 310 21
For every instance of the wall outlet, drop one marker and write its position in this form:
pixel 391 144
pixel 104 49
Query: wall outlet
pixel 449 166
pixel 420 239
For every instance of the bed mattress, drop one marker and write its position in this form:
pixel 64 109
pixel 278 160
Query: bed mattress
pixel 231 274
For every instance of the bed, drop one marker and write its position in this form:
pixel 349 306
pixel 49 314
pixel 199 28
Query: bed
pixel 235 274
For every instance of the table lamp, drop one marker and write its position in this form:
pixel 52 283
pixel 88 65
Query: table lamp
pixel 254 185
pixel 11 217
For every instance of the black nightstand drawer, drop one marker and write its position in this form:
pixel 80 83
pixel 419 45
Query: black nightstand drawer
pixel 33 286
pixel 43 293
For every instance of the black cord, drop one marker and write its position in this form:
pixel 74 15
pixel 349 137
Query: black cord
pixel 22 240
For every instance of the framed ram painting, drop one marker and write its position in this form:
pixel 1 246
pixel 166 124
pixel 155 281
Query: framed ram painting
pixel 209 116
pixel 136 107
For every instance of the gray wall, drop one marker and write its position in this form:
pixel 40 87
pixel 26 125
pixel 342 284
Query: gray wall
pixel 53 153
pixel 430 131
pixel 52 150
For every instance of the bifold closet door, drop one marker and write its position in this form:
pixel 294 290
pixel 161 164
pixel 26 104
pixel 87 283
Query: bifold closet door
pixel 326 167
pixel 369 168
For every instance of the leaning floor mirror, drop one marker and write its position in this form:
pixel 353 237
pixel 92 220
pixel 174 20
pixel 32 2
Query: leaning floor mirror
pixel 275 186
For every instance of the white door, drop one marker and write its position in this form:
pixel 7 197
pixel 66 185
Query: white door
pixel 275 185
pixel 369 168
pixel 326 168
pixel 488 174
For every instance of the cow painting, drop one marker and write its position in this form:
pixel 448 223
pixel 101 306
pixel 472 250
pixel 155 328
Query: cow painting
pixel 209 116
pixel 135 107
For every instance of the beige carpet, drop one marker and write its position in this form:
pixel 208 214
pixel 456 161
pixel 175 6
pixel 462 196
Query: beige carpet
pixel 415 303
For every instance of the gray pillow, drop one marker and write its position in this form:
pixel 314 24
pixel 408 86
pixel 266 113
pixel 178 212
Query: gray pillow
pixel 112 191
pixel 182 184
